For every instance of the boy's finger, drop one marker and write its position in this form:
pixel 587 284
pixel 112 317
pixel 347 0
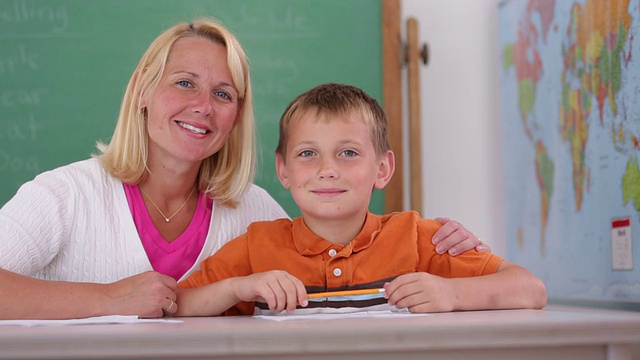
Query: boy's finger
pixel 303 297
pixel 290 288
pixel 300 291
pixel 393 290
pixel 277 298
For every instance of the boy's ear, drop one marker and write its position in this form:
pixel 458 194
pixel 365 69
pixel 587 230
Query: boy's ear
pixel 281 171
pixel 385 170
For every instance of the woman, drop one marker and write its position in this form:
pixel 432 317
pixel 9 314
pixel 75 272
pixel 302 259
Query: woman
pixel 113 234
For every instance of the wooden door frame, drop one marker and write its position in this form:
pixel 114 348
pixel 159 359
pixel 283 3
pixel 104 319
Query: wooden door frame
pixel 392 62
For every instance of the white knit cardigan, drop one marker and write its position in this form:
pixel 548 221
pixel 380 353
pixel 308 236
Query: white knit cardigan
pixel 74 224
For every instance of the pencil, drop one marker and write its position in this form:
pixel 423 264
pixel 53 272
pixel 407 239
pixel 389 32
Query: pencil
pixel 345 293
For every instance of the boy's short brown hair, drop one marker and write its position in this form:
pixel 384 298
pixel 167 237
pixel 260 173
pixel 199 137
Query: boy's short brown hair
pixel 331 99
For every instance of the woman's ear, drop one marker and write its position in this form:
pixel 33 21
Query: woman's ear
pixel 386 169
pixel 239 113
pixel 282 172
pixel 140 102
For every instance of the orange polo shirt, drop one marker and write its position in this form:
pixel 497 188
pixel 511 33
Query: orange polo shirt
pixel 386 247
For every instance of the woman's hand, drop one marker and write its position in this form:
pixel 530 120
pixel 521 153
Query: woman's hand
pixel 148 295
pixel 455 239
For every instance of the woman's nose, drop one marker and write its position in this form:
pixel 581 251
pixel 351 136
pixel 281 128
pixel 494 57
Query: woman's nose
pixel 203 103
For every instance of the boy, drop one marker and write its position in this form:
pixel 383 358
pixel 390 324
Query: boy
pixel 333 151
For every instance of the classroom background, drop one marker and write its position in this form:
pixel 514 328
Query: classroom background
pixel 530 136
pixel 64 65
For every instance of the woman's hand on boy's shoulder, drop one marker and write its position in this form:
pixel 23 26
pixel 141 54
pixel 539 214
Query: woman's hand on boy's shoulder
pixel 455 239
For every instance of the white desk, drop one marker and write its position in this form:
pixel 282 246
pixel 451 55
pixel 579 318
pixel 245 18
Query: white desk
pixel 553 333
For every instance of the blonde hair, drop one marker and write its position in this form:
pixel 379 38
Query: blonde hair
pixel 330 100
pixel 224 176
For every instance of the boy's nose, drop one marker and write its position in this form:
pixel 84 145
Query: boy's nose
pixel 327 170
pixel 327 175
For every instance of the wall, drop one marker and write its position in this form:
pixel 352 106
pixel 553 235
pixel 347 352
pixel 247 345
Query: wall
pixel 461 114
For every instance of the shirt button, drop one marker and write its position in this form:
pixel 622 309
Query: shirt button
pixel 332 252
pixel 337 272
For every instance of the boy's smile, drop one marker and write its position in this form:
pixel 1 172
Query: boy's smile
pixel 328 192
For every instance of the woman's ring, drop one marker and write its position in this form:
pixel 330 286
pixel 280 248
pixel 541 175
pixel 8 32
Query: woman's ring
pixel 170 305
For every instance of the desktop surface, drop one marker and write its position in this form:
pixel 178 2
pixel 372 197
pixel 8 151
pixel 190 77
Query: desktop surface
pixel 556 332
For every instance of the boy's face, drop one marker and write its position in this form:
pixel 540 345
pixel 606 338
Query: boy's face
pixel 331 167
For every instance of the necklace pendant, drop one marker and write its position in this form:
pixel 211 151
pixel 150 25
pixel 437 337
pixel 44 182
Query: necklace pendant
pixel 167 219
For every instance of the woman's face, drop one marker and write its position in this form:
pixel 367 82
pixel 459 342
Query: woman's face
pixel 194 106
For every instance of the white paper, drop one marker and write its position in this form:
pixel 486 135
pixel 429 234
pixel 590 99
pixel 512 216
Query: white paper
pixel 344 315
pixel 109 319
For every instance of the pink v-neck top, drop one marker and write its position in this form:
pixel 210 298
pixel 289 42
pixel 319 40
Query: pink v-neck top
pixel 173 258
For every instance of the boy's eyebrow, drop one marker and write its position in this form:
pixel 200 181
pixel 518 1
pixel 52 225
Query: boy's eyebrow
pixel 314 143
pixel 302 144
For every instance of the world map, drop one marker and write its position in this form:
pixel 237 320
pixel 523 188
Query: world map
pixel 571 141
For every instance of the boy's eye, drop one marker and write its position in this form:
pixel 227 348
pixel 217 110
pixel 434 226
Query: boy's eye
pixel 306 153
pixel 349 153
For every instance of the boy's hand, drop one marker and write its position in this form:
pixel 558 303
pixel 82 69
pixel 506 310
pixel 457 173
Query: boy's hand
pixel 421 292
pixel 279 289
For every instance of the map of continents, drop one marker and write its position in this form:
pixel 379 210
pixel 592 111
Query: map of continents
pixel 571 128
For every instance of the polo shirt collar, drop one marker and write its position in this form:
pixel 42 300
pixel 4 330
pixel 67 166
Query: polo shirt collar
pixel 307 243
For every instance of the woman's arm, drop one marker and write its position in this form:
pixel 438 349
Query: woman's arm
pixel 146 295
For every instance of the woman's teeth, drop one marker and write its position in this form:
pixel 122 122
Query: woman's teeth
pixel 192 128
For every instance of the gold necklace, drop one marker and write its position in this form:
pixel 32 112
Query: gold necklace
pixel 167 219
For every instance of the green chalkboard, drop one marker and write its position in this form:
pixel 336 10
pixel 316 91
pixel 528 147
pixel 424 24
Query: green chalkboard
pixel 64 65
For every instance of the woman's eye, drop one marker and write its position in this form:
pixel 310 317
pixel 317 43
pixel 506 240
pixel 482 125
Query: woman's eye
pixel 184 83
pixel 224 96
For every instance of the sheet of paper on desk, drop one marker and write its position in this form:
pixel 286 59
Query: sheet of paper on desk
pixel 110 319
pixel 343 315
